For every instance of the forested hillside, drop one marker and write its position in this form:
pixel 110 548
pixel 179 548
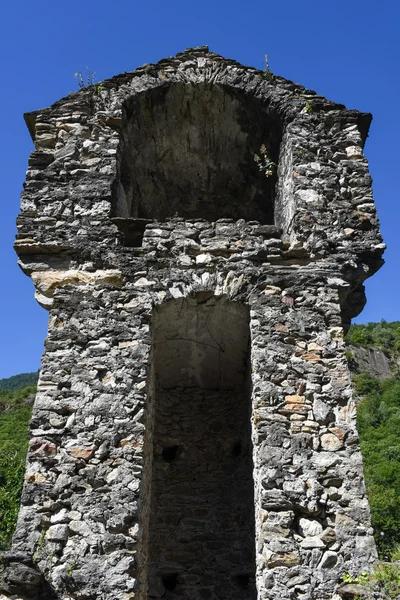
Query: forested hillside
pixel 19 382
pixel 15 412
pixel 378 420
pixel 383 335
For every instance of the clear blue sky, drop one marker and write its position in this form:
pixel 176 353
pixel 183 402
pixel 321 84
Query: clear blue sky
pixel 347 51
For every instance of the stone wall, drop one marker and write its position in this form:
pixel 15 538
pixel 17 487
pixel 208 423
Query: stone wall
pixel 121 264
pixel 202 520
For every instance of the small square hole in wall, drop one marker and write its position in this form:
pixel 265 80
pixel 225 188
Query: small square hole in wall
pixel 132 230
pixel 170 581
pixel 242 580
pixel 170 453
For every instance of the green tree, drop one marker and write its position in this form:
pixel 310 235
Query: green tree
pixel 378 422
pixel 383 335
pixel 19 382
pixel 15 412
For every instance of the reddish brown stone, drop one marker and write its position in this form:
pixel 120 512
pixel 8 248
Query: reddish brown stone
pixel 85 453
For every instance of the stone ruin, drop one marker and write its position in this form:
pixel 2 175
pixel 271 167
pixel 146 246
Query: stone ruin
pixel 200 232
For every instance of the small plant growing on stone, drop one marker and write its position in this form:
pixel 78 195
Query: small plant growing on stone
pixel 349 355
pixel 149 69
pixel 300 154
pixel 40 545
pixel 52 558
pixel 88 82
pixel 264 163
pixel 84 82
pixel 395 554
pixel 267 71
pixel 362 579
pixel 308 107
pixel 72 566
pixel 385 580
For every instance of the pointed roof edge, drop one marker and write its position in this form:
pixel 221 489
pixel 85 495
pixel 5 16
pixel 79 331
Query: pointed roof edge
pixel 364 118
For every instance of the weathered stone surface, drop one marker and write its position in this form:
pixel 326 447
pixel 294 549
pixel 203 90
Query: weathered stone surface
pixel 370 360
pixel 354 590
pixel 308 527
pixel 312 542
pixel 331 442
pixel 21 580
pixel 197 238
pixel 57 533
pixel 47 281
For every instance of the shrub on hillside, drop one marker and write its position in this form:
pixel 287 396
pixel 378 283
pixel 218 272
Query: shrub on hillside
pixel 15 412
pixel 382 335
pixel 378 422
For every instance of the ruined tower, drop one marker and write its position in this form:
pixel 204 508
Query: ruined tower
pixel 200 232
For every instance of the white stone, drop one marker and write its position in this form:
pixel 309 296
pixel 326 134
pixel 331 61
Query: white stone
pixel 113 476
pixel 47 281
pixel 324 459
pixel 312 542
pixel 348 231
pixel 328 560
pixel 271 290
pixel 143 282
pixel 70 421
pixel 80 527
pixel 320 409
pixel 130 344
pixel 297 485
pixel 60 517
pixel 175 292
pixel 154 232
pixel 205 277
pixel 309 196
pixel 56 533
pixel 184 259
pixel 351 128
pixel 203 259
pixel 310 527
pixel 354 152
pixel 331 442
pixel 74 515
pixel 43 300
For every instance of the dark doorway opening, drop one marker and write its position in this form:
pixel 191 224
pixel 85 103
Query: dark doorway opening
pixel 201 530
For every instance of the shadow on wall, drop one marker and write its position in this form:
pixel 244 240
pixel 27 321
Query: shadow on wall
pixel 197 151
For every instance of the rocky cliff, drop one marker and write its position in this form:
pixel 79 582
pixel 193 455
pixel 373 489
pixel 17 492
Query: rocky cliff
pixel 374 349
pixel 373 361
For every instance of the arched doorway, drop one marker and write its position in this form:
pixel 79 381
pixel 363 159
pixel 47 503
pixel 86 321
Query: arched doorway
pixel 201 535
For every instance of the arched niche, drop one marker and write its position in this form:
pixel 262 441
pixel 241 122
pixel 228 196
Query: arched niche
pixel 201 540
pixel 197 151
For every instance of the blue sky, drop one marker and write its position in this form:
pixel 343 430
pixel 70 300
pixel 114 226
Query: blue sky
pixel 348 51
